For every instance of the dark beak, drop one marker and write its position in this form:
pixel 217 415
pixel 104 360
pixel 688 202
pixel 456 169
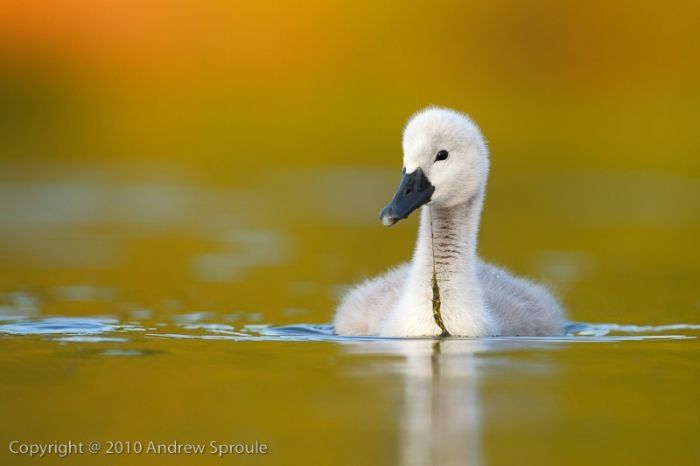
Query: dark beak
pixel 414 191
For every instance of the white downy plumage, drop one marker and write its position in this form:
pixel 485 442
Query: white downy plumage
pixel 446 166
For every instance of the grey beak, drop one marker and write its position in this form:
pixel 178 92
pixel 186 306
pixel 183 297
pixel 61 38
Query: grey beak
pixel 414 191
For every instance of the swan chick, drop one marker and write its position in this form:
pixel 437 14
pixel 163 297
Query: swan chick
pixel 445 169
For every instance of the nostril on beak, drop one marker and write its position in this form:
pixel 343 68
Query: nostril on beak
pixel 408 191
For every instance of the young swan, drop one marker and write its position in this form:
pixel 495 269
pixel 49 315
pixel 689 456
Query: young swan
pixel 445 169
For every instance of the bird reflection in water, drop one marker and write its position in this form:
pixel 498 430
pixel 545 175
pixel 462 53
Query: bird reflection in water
pixel 440 416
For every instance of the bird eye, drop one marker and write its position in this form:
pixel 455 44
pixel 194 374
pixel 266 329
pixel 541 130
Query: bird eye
pixel 442 155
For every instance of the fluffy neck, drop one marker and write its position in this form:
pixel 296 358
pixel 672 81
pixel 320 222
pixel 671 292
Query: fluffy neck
pixel 447 239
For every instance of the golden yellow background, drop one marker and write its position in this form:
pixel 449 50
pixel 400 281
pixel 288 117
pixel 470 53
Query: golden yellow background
pixel 167 158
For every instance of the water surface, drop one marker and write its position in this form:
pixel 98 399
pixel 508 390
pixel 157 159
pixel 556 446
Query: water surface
pixel 144 305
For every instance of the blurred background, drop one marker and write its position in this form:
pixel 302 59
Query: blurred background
pixel 173 172
pixel 226 157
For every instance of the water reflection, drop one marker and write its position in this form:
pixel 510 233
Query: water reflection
pixel 440 421
pixel 445 388
pixel 441 413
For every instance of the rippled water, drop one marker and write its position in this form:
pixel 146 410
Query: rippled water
pixel 96 329
pixel 626 389
pixel 630 390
